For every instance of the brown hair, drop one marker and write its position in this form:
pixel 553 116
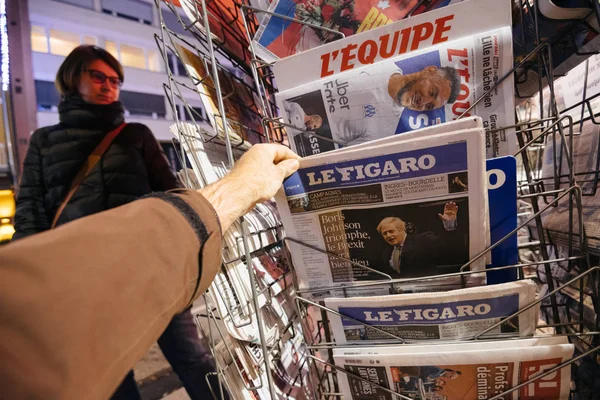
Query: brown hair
pixel 69 73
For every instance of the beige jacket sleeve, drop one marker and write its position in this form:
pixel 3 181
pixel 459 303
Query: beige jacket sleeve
pixel 81 304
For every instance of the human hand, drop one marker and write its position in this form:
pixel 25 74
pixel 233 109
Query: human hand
pixel 459 182
pixel 262 170
pixel 256 177
pixel 450 211
pixel 449 216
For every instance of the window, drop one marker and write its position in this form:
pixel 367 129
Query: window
pixel 39 40
pixel 181 71
pixel 133 10
pixel 111 47
pixel 61 43
pixel 172 22
pixel 90 40
pixel 81 3
pixel 144 103
pixel 155 62
pixel 198 114
pixel 132 56
pixel 46 94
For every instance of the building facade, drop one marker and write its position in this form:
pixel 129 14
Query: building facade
pixel 125 28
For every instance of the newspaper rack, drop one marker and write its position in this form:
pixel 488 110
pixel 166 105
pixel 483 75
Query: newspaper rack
pixel 570 273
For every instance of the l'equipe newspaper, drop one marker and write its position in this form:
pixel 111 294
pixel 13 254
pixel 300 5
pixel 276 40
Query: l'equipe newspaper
pixel 417 72
pixel 461 371
pixel 408 92
pixel 456 314
pixel 404 210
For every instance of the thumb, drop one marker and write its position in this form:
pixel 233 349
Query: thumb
pixel 441 216
pixel 288 166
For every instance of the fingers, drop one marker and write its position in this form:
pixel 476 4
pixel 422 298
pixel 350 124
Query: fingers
pixel 288 166
pixel 450 206
pixel 279 152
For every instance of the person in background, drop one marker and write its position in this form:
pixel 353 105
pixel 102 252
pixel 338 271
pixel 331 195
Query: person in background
pixel 71 325
pixel 133 165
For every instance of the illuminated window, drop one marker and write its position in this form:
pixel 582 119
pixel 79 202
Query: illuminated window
pixel 132 56
pixel 89 40
pixel 111 47
pixel 39 40
pixel 155 63
pixel 61 43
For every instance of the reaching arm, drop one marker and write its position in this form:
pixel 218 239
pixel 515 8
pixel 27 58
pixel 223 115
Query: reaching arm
pixel 30 215
pixel 71 325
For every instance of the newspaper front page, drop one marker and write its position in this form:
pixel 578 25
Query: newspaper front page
pixel 456 314
pixel 405 93
pixel 465 371
pixel 389 41
pixel 403 210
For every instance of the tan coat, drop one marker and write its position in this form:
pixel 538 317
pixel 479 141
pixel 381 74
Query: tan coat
pixel 80 305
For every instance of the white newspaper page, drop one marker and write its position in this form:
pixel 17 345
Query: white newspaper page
pixel 439 347
pixel 391 40
pixel 455 314
pixel 403 210
pixel 405 93
pixel 464 373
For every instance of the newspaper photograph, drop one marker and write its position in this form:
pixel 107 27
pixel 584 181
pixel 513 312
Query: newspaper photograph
pixel 451 315
pixel 279 38
pixel 465 372
pixel 402 94
pixel 404 210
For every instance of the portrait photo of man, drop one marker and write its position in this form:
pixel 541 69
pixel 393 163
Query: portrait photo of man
pixel 383 96
pixel 410 255
pixel 432 87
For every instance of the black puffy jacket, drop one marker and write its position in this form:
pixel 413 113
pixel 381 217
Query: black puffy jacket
pixel 134 165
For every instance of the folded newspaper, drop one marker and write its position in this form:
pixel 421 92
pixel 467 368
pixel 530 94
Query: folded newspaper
pixel 461 371
pixel 405 209
pixel 405 93
pixel 456 314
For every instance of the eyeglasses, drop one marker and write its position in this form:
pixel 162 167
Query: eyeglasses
pixel 100 77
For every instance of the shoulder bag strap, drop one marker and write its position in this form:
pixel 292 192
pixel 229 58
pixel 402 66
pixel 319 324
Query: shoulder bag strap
pixel 88 165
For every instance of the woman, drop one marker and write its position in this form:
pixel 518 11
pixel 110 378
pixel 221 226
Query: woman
pixel 133 165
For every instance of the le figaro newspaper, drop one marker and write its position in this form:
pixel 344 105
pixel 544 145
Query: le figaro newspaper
pixel 456 314
pixel 406 209
pixel 367 89
pixel 460 371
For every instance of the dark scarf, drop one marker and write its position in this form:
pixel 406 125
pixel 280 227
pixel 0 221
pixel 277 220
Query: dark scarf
pixel 76 113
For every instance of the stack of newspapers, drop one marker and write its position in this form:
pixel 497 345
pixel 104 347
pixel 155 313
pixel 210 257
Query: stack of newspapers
pixel 234 303
pixel 404 198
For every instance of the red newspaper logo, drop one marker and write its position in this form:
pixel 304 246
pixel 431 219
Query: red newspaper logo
pixel 387 46
pixel 547 387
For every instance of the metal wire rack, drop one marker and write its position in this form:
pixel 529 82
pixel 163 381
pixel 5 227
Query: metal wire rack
pixel 566 267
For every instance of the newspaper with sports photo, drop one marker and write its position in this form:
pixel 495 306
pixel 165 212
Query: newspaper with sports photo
pixel 405 93
pixel 461 371
pixel 389 41
pixel 456 314
pixel 278 37
pixel 404 210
